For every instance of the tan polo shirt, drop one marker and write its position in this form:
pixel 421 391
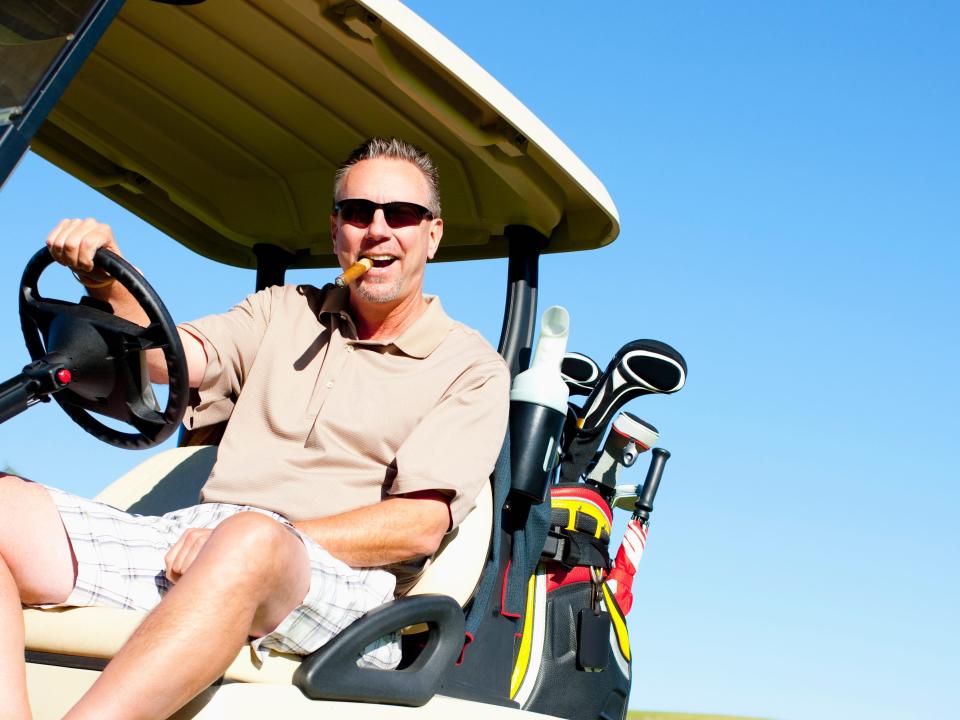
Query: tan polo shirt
pixel 327 423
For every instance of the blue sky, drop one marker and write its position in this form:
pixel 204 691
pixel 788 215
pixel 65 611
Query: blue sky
pixel 787 179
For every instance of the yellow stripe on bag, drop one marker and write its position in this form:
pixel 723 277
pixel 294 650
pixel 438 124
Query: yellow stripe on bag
pixel 577 505
pixel 619 624
pixel 526 640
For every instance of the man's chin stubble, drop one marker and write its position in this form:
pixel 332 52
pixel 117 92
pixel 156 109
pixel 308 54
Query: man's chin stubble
pixel 380 296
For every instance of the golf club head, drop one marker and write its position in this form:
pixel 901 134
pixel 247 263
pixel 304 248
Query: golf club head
pixel 579 372
pixel 625 496
pixel 628 437
pixel 641 367
pixel 571 426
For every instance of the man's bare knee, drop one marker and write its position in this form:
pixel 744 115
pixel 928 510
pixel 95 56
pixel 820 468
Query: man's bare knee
pixel 275 560
pixel 33 542
pixel 252 531
pixel 253 544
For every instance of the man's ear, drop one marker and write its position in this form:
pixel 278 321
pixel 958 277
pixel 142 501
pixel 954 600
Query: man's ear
pixel 333 231
pixel 433 241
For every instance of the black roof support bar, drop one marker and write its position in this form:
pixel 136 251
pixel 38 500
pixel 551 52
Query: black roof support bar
pixel 272 264
pixel 520 313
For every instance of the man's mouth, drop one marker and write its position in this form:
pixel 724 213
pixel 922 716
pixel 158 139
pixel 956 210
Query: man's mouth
pixel 381 261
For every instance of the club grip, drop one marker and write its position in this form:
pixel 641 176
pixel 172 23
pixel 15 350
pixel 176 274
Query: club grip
pixel 644 505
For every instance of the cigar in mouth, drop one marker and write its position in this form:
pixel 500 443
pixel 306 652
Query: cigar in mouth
pixel 354 271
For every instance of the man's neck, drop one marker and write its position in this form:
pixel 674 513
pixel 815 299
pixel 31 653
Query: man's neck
pixel 385 321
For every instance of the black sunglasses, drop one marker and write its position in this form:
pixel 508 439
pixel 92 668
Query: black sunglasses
pixel 398 214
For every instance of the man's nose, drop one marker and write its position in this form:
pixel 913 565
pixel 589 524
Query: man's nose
pixel 378 225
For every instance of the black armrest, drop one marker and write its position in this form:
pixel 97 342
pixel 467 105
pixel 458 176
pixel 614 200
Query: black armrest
pixel 331 673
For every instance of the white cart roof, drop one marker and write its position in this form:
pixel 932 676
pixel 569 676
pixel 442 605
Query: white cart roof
pixel 222 123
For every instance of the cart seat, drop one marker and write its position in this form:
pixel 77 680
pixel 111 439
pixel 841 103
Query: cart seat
pixel 87 637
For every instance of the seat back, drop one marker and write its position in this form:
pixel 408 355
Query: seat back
pixel 166 481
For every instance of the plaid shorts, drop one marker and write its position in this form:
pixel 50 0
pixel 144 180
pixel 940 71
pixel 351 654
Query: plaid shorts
pixel 120 563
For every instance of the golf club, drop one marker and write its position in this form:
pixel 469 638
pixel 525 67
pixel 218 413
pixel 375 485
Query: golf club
pixel 571 426
pixel 641 367
pixel 628 437
pixel 625 497
pixel 579 372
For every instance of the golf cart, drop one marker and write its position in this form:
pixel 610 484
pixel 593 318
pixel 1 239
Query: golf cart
pixel 220 124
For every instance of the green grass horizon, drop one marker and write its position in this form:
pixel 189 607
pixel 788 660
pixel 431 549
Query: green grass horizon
pixel 651 715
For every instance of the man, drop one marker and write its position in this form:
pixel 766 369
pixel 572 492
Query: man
pixel 362 425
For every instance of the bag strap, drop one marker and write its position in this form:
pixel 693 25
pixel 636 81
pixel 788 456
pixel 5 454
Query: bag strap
pixel 571 549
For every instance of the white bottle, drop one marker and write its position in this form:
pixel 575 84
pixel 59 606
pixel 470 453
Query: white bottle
pixel 538 407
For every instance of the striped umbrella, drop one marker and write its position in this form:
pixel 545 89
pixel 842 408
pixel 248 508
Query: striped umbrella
pixel 620 579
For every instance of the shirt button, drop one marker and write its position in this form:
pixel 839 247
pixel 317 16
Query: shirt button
pixel 329 384
pixel 349 348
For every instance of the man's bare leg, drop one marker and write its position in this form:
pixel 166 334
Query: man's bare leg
pixel 13 681
pixel 36 566
pixel 249 575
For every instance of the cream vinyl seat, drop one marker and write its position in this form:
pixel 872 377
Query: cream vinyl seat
pixel 88 637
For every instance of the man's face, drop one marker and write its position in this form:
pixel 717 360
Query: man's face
pixel 399 254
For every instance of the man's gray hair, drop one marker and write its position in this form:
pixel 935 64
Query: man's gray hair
pixel 395 149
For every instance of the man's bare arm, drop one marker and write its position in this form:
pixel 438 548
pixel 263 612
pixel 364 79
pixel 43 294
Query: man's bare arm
pixel 397 529
pixel 126 307
pixel 73 243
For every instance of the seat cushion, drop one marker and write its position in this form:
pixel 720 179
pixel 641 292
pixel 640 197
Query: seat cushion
pixel 95 632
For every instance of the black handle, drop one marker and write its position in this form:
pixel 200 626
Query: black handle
pixel 331 673
pixel 16 395
pixel 644 505
pixel 36 383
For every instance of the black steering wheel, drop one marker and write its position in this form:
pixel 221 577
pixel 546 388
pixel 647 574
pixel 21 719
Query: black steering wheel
pixel 106 354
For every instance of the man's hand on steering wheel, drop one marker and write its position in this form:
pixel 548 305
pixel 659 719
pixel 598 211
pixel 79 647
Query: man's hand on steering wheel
pixel 73 243
pixel 113 343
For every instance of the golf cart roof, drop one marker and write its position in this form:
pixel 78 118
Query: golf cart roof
pixel 221 124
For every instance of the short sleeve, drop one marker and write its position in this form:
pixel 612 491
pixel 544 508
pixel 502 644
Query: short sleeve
pixel 231 341
pixel 454 448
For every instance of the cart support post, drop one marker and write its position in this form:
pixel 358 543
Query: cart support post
pixel 520 311
pixel 272 264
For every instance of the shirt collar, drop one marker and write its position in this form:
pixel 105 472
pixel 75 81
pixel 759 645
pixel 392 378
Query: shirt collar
pixel 335 300
pixel 418 340
pixel 427 331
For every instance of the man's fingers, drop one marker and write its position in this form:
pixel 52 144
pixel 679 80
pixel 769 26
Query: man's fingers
pixel 73 242
pixel 181 556
pixel 89 241
pixel 73 246
pixel 55 233
pixel 174 558
pixel 85 239
pixel 58 237
pixel 171 560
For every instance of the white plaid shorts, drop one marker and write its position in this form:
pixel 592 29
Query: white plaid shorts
pixel 120 563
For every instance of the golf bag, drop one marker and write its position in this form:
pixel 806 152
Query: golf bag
pixel 573 654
